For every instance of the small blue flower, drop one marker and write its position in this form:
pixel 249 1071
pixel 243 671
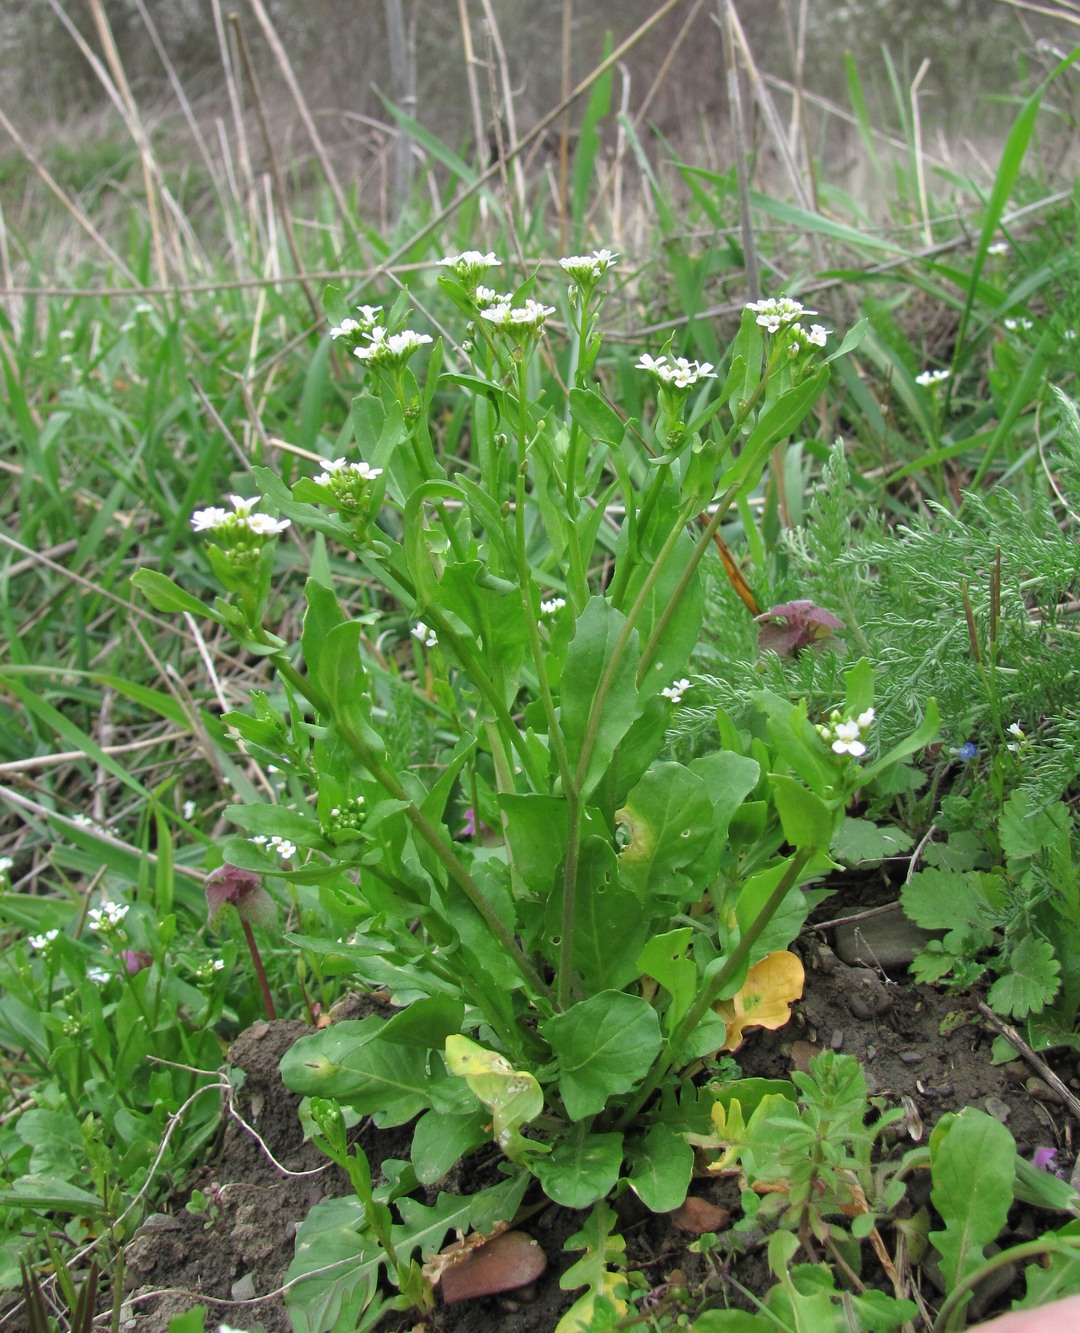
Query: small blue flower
pixel 967 752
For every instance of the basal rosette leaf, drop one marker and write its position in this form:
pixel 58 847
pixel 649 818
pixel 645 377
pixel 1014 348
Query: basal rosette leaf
pixel 512 1096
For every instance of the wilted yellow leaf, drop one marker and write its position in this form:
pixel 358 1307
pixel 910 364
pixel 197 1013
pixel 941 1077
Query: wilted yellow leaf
pixel 771 987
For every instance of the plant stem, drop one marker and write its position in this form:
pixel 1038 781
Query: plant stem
pixel 260 971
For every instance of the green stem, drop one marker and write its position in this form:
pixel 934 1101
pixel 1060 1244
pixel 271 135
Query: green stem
pixel 1031 1249
pixel 708 995
pixel 424 828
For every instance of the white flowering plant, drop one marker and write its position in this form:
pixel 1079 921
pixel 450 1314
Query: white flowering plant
pixel 526 905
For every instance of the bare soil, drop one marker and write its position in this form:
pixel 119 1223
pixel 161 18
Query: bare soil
pixel 912 1042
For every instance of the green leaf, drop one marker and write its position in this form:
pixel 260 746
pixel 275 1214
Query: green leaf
pixel 1031 981
pixel 806 819
pixel 663 1163
pixel 971 1165
pixel 581 1170
pixel 333 1278
pixel 593 723
pixel 604 1045
pixel 596 418
pixel 352 1063
pixel 512 1096
pixel 859 841
pixel 599 1269
pixel 668 821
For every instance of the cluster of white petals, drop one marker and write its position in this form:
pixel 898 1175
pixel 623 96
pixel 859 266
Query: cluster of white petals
pixel 357 328
pixel 776 312
pixel 390 349
pixel 928 378
pixel 528 317
pixel 342 468
pixel 240 522
pixel 106 917
pixel 679 373
pixel 587 269
pixel 847 735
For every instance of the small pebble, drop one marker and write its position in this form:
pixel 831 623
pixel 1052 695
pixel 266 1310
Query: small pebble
pixel 243 1289
pixel 1043 1091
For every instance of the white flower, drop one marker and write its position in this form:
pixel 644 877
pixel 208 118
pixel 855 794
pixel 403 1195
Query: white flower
pixel 105 917
pixel 390 349
pixel 675 690
pixel 262 525
pixel 529 317
pixel 775 312
pixel 39 942
pixel 847 739
pixel 549 608
pixel 928 378
pixel 587 269
pixel 680 374
pixel 241 523
pixel 188 809
pixel 346 327
pixel 424 634
pixel 206 520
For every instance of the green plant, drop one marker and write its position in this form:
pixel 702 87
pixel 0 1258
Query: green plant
pixel 817 1173
pixel 557 966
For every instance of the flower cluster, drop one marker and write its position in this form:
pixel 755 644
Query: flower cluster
pixel 425 634
pixel 284 848
pixel 527 319
pixel 927 379
pixel 678 373
pixel 470 266
pixel 676 690
pixel 241 533
pixel 847 735
pixel 352 330
pixel 348 815
pixel 347 482
pixel 106 918
pixel 390 351
pixel 587 269
pixel 486 297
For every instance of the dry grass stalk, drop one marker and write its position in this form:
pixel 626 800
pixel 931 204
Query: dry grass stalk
pixel 289 75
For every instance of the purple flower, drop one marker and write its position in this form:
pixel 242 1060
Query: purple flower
pixel 135 960
pixel 244 891
pixel 1043 1159
pixel 808 626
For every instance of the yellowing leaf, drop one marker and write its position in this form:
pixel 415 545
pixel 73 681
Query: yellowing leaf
pixel 512 1095
pixel 771 987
